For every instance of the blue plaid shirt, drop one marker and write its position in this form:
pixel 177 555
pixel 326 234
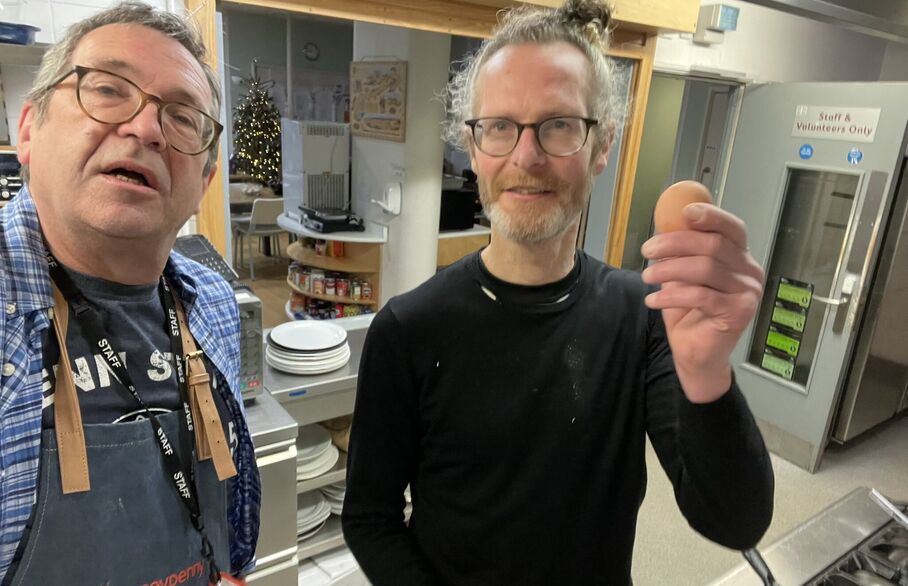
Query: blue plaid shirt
pixel 25 299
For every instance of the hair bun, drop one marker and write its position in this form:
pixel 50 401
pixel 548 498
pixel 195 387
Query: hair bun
pixel 587 14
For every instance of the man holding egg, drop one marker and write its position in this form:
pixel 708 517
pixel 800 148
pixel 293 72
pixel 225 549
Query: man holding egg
pixel 513 391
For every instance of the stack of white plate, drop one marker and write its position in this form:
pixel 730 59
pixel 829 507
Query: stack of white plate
pixel 315 454
pixel 312 512
pixel 334 494
pixel 307 347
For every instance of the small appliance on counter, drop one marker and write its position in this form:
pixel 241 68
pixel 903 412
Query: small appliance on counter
pixel 252 368
pixel 10 180
pixel 315 167
pixel 330 220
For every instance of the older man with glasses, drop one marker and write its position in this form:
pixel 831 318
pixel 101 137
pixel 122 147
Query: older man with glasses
pixel 514 391
pixel 124 450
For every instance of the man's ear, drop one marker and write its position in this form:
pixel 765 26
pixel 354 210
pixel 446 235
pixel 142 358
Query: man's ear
pixel 23 143
pixel 600 159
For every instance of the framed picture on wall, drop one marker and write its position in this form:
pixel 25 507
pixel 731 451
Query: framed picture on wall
pixel 378 99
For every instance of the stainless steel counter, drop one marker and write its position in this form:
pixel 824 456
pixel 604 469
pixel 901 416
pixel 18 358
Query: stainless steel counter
pixel 268 422
pixel 309 399
pixel 814 546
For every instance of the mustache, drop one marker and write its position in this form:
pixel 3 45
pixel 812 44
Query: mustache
pixel 527 182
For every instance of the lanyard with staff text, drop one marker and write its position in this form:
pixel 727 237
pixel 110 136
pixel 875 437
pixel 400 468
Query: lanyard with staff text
pixel 183 478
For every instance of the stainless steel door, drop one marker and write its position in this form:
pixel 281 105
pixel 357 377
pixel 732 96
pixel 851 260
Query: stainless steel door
pixel 811 173
pixel 879 370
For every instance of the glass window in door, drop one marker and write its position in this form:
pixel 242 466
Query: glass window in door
pixel 809 246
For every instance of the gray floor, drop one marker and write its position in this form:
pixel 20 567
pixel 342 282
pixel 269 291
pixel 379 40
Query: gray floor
pixel 668 551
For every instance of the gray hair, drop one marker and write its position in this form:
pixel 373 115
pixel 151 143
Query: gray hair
pixel 57 59
pixel 582 23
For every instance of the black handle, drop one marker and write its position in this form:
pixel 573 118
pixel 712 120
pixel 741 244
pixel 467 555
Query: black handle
pixel 757 562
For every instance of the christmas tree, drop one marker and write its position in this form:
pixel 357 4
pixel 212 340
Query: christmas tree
pixel 257 135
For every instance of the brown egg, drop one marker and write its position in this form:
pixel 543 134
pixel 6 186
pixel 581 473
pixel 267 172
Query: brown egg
pixel 668 214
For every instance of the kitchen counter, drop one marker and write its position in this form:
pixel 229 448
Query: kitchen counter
pixel 268 422
pixel 309 399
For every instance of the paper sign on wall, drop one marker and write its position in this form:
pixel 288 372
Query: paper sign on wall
pixel 851 124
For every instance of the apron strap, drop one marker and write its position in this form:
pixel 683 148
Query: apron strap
pixel 68 426
pixel 209 433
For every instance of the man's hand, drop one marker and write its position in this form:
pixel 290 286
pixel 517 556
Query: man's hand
pixel 711 288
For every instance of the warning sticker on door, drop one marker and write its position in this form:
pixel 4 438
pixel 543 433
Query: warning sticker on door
pixel 794 294
pixel 789 318
pixel 783 367
pixel 780 341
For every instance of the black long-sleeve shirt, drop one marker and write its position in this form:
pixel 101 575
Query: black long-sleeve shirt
pixel 519 423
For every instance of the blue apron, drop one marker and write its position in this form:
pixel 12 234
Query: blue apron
pixel 131 527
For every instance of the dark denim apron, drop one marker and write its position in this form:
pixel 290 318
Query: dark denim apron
pixel 131 527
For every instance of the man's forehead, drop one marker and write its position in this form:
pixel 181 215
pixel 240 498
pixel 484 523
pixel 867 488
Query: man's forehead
pixel 110 48
pixel 536 72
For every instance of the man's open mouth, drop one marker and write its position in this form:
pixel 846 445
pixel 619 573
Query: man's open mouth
pixel 128 176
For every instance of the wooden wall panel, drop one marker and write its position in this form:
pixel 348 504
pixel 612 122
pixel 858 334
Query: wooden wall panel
pixel 210 219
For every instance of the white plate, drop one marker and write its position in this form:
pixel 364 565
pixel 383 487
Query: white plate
pixel 324 466
pixel 305 367
pixel 312 532
pixel 315 463
pixel 311 359
pixel 304 370
pixel 312 441
pixel 343 352
pixel 333 494
pixel 308 336
pixel 308 356
pixel 313 520
pixel 309 505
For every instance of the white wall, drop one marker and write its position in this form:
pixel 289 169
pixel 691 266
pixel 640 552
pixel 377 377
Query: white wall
pixel 770 45
pixel 409 256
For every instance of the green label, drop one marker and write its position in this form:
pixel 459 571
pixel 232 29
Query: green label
pixel 788 318
pixel 796 295
pixel 781 366
pixel 782 342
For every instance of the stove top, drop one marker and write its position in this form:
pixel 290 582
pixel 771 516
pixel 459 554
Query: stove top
pixel 854 542
pixel 882 560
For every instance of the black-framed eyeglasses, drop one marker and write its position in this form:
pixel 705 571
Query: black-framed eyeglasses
pixel 561 136
pixel 110 98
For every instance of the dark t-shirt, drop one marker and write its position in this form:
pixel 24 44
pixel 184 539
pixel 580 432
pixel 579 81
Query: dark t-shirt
pixel 518 415
pixel 134 318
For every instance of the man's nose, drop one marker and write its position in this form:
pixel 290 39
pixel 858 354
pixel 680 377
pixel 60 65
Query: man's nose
pixel 527 152
pixel 146 127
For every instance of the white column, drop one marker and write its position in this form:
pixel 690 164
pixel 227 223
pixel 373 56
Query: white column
pixel 409 255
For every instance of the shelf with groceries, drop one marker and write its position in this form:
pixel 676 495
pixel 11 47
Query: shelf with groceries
pixel 332 279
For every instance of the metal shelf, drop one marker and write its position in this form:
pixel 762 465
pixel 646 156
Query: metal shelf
pixel 328 538
pixel 336 474
pixel 22 54
pixel 331 298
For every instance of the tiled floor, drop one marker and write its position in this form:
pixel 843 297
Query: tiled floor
pixel 668 551
pixel 270 284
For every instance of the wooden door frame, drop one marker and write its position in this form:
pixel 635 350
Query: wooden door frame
pixel 211 218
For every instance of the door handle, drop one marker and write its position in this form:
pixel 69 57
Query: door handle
pixel 834 302
pixel 843 304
